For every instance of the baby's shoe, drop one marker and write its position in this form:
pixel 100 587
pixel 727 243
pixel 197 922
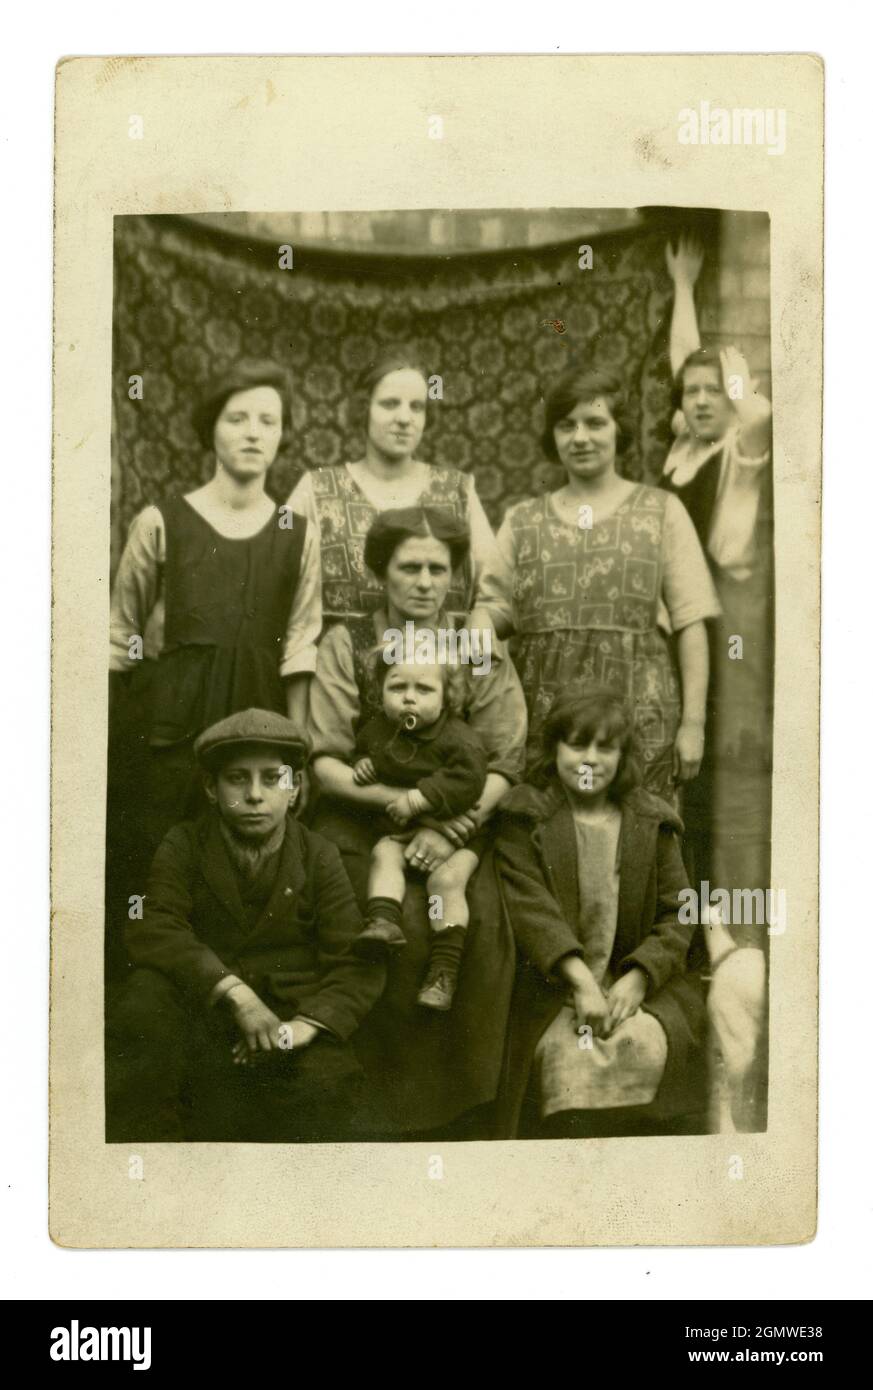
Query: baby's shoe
pixel 438 989
pixel 380 938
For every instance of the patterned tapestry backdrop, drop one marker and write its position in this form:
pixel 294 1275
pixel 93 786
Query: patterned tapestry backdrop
pixel 187 302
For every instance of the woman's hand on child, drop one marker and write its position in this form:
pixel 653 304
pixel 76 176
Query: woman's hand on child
pixel 625 997
pixel 364 772
pixel 427 850
pixel 407 805
pixel 460 829
pixel 400 809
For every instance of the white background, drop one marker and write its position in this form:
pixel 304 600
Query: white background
pixel 836 1264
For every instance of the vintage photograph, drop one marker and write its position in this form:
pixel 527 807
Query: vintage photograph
pixel 436 502
pixel 440 675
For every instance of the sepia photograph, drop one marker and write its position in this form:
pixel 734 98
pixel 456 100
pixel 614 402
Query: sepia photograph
pixel 440 693
pixel 436 653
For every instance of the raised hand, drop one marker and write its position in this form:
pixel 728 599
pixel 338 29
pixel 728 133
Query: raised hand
pixel 685 262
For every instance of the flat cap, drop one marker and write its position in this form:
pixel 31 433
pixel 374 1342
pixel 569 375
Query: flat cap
pixel 252 727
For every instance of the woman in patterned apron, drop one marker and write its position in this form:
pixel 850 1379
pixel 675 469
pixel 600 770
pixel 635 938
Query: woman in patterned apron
pixel 341 501
pixel 602 572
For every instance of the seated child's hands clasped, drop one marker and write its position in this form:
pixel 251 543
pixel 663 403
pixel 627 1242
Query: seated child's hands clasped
pixel 625 997
pixel 590 1004
pixel 589 1001
pixel 364 772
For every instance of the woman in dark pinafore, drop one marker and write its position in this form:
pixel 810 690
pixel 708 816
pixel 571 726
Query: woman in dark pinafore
pixel 224 590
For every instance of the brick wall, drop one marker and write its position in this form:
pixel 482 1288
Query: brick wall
pixel 734 294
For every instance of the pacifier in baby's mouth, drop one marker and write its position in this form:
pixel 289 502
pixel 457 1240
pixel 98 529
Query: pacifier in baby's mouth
pixel 410 722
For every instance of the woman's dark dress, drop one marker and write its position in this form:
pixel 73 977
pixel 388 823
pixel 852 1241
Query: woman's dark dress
pixel 226 604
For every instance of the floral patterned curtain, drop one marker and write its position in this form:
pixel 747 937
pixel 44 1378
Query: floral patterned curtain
pixel 496 327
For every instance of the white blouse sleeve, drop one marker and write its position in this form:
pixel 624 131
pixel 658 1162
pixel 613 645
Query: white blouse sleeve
pixel 483 545
pixel 495 585
pixel 136 593
pixel 304 621
pixel 688 592
pixel 302 501
pixel 334 698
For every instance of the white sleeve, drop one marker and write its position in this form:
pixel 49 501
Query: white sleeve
pixel 137 586
pixel 304 620
pixel 483 546
pixel 495 585
pixel 687 588
pixel 302 501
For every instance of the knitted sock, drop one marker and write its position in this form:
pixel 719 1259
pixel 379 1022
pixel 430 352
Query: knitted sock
pixel 386 908
pixel 446 949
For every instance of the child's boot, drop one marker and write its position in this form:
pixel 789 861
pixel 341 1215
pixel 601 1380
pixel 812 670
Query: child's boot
pixel 440 983
pixel 382 935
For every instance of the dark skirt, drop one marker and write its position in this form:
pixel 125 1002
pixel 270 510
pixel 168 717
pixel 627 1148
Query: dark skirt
pixel 424 1069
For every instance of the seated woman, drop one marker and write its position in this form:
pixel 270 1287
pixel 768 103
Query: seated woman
pixel 427 1067
pixel 607 1026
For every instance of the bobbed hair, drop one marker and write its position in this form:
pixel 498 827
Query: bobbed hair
pixel 242 375
pixel 390 529
pixel 578 714
pixel 394 359
pixel 700 357
pixel 578 385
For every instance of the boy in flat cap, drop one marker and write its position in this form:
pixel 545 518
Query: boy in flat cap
pixel 235 1022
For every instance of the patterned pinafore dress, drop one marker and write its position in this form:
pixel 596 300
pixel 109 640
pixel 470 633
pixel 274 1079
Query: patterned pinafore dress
pixel 345 515
pixel 586 605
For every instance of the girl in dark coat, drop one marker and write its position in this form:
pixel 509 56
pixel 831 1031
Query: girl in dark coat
pixel 607 1023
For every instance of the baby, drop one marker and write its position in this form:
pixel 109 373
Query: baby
pixel 418 743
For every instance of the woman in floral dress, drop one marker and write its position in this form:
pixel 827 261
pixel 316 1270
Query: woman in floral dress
pixel 341 501
pixel 604 574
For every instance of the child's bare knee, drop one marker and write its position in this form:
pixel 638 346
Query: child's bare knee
pixel 387 853
pixel 445 878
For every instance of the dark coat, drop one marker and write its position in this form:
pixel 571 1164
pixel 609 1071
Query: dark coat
pixel 195 929
pixel 536 860
pixel 445 761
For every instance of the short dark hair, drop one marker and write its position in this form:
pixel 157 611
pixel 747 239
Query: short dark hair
pixel 241 375
pixel 578 714
pixel 700 357
pixel 394 359
pixel 578 384
pixel 390 529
